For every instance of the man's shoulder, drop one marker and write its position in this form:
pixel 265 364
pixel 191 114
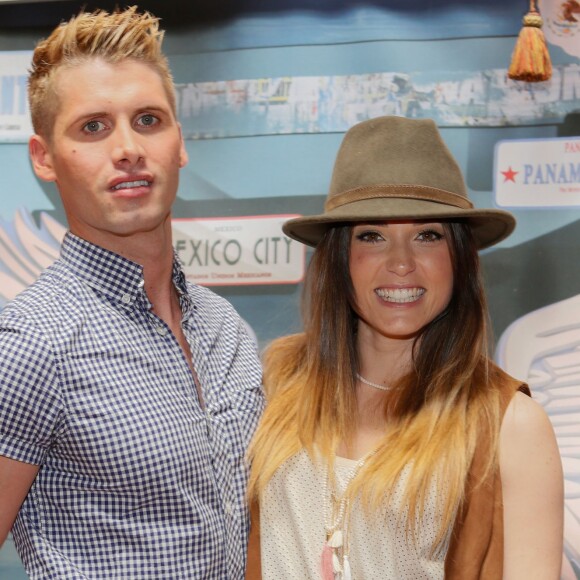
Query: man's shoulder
pixel 45 299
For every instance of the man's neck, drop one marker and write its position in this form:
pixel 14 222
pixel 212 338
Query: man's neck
pixel 154 252
pixel 157 261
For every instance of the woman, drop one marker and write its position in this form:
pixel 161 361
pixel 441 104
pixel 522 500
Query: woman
pixel 392 447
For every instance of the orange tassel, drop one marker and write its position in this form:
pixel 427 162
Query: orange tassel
pixel 530 59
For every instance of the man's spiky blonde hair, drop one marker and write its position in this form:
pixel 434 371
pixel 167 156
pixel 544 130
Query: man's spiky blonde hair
pixel 113 37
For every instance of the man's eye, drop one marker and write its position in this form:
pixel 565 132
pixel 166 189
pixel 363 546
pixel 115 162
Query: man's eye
pixel 93 127
pixel 148 120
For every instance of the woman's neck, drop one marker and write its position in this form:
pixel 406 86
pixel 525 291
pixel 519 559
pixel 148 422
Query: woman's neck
pixel 383 361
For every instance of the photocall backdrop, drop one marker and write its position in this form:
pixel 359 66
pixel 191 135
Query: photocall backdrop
pixel 264 99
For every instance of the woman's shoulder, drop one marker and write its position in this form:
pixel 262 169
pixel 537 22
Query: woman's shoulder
pixel 526 435
pixel 525 418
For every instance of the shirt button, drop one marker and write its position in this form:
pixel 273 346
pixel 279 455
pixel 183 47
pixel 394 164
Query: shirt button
pixel 161 330
pixel 228 508
pixel 126 299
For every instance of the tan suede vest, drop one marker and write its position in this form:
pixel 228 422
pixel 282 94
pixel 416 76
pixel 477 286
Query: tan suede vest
pixel 476 547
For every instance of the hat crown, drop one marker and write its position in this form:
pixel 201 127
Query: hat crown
pixel 390 151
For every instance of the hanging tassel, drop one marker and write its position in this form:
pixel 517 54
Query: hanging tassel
pixel 326 568
pixel 347 573
pixel 530 59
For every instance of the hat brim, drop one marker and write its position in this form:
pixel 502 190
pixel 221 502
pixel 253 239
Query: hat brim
pixel 489 226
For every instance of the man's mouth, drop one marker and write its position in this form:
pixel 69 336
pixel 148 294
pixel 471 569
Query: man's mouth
pixel 400 295
pixel 131 184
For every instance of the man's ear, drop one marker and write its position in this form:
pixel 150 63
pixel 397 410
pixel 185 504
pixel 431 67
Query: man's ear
pixel 183 156
pixel 41 158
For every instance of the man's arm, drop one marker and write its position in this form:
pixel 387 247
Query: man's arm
pixel 16 478
pixel 30 407
pixel 532 485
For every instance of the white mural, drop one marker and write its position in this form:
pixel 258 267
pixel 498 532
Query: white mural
pixel 26 249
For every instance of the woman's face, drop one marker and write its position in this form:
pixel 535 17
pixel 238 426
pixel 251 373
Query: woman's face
pixel 402 275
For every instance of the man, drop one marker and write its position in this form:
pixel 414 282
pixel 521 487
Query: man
pixel 127 395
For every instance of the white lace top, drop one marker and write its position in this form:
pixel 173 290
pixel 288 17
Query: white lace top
pixel 292 529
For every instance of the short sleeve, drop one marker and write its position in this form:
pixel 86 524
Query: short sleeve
pixel 30 400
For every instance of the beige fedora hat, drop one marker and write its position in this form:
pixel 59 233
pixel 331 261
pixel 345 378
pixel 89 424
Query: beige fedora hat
pixel 394 168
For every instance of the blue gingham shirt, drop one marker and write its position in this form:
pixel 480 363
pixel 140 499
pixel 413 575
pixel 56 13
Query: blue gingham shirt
pixel 137 479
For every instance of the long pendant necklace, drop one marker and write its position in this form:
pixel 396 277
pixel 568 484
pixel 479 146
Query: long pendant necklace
pixel 335 564
pixel 371 384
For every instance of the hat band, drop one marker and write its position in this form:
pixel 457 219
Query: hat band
pixel 418 192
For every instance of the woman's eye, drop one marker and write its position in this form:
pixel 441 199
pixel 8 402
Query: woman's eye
pixel 147 120
pixel 430 236
pixel 93 127
pixel 369 236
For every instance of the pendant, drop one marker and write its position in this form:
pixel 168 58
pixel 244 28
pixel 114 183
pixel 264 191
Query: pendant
pixel 335 541
pixel 326 562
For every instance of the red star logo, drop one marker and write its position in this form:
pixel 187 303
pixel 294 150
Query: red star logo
pixel 509 175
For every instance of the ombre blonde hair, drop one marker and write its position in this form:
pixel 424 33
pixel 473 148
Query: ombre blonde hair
pixel 448 404
pixel 112 37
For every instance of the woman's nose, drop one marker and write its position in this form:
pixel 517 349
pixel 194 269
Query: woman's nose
pixel 400 259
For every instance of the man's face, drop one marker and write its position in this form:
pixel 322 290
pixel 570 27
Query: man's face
pixel 115 152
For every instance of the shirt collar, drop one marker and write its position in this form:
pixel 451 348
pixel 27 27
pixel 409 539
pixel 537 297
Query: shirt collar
pixel 120 279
